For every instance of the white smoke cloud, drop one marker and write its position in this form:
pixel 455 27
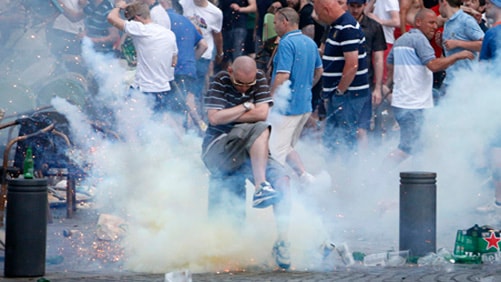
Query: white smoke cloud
pixel 154 178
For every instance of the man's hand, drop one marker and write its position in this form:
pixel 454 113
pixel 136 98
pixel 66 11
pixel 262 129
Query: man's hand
pixel 219 58
pixel 386 92
pixel 465 54
pixel 474 13
pixel 120 4
pixel 235 7
pixel 451 44
pixel 376 96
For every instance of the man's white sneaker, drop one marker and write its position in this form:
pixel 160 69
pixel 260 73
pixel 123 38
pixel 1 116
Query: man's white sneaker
pixel 281 254
pixel 306 179
pixel 265 196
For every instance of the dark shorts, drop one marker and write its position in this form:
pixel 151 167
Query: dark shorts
pixel 229 153
pixel 410 122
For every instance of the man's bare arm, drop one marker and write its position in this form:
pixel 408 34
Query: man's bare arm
pixel 238 113
pixel 349 70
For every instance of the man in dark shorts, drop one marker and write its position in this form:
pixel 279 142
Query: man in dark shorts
pixel 236 143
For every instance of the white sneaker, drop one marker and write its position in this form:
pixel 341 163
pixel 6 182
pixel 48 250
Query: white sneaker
pixel 281 254
pixel 306 179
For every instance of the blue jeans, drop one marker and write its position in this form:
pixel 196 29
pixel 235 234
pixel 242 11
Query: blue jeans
pixel 202 69
pixel 410 122
pixel 345 115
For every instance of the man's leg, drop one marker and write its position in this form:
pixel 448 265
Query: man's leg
pixel 258 152
pixel 282 209
pixel 276 173
pixel 411 123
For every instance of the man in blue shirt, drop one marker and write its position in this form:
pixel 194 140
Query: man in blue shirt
pixel 489 54
pixel 191 45
pixel 461 32
pixel 296 60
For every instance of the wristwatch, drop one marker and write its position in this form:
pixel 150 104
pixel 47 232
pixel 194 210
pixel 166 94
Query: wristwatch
pixel 338 92
pixel 247 106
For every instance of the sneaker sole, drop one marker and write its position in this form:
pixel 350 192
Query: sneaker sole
pixel 265 202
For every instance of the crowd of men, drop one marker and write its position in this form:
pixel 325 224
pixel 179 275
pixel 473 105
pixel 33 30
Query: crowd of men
pixel 252 74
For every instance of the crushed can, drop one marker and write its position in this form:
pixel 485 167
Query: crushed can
pixel 477 244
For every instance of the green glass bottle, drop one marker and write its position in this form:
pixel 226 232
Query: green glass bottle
pixel 28 164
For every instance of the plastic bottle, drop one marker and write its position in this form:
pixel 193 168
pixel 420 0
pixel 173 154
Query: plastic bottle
pixel 28 166
pixel 444 253
pixel 379 259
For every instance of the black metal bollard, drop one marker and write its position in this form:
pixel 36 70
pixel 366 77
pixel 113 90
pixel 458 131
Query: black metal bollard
pixel 26 228
pixel 418 209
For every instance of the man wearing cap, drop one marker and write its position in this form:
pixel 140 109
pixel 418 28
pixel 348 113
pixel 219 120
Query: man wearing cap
pixel 489 53
pixel 375 45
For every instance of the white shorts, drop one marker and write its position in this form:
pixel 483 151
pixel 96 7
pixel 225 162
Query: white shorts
pixel 285 132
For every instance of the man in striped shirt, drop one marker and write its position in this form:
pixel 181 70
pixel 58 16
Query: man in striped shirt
pixel 345 81
pixel 236 143
pixel 97 28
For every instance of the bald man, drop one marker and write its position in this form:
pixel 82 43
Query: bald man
pixel 345 81
pixel 413 56
pixel 235 148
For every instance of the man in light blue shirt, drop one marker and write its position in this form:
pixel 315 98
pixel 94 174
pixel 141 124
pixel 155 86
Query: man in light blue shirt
pixel 461 32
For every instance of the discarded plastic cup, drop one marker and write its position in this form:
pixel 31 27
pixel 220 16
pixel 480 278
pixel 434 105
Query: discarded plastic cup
pixel 379 259
pixel 178 276
pixel 398 258
pixel 345 254
pixel 432 259
pixel 326 249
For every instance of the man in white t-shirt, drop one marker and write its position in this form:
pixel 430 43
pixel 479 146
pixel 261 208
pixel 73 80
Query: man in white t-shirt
pixel 208 19
pixel 155 47
pixel 157 13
